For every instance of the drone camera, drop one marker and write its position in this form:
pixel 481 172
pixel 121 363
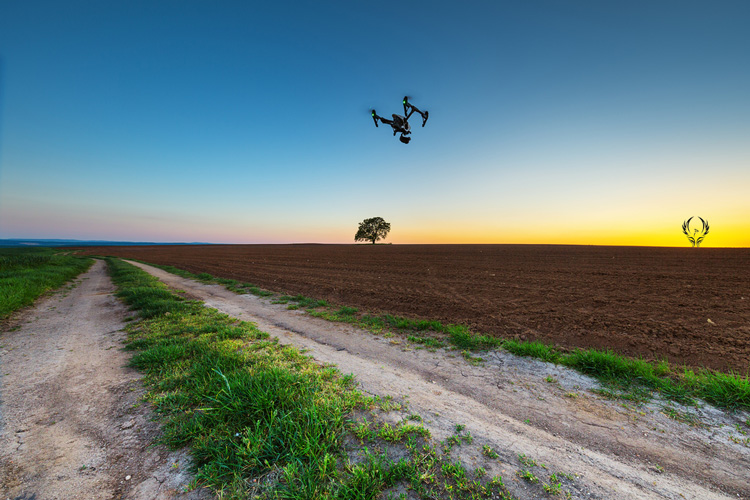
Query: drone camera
pixel 404 139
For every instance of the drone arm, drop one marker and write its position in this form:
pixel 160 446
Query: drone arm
pixel 423 114
pixel 376 117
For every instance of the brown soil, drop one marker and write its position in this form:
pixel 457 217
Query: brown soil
pixel 72 422
pixel 650 302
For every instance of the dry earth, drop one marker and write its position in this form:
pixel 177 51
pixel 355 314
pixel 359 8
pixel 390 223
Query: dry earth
pixel 615 450
pixel 72 425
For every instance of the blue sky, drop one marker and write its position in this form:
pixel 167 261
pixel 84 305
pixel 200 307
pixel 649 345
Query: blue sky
pixel 583 122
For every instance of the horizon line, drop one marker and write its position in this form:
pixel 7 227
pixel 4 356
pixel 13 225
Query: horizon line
pixel 38 242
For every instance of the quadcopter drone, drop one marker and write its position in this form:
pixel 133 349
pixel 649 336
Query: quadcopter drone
pixel 401 123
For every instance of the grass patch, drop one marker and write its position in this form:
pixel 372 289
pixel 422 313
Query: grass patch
pixel 636 379
pixel 527 476
pixel 533 350
pixel 263 421
pixel 725 390
pixel 27 273
pixel 343 314
pixel 681 416
pixel 430 342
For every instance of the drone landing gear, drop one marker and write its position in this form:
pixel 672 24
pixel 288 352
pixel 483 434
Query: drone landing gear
pixel 404 139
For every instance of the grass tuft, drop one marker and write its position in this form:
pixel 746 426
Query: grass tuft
pixel 532 349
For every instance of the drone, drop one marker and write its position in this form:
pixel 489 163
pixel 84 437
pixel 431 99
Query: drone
pixel 401 123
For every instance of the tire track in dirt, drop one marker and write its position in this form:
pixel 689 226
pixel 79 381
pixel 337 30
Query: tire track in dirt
pixel 617 451
pixel 71 420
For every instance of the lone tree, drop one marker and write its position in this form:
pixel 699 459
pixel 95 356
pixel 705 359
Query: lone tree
pixel 372 230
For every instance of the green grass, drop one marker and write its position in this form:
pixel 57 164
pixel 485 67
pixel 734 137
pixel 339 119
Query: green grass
pixel 625 378
pixel 725 390
pixel 636 379
pixel 264 421
pixel 532 350
pixel 527 476
pixel 27 273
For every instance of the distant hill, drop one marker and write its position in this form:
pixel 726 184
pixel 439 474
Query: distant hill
pixel 80 243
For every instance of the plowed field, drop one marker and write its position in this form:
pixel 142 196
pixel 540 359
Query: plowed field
pixel 640 301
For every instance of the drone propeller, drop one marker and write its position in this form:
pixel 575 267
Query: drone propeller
pixel 406 103
pixel 374 116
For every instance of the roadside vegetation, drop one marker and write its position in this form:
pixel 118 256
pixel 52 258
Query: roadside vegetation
pixel 625 378
pixel 622 377
pixel 264 421
pixel 27 273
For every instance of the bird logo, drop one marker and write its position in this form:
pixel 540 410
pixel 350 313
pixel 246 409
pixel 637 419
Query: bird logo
pixel 695 236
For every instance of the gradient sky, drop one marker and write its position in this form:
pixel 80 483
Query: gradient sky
pixel 578 121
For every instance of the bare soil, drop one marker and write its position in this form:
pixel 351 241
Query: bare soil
pixel 72 421
pixel 639 301
pixel 612 449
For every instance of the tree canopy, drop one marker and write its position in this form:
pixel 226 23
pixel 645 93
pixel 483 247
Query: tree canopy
pixel 373 229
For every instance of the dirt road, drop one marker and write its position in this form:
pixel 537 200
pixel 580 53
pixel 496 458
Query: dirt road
pixel 71 420
pixel 517 406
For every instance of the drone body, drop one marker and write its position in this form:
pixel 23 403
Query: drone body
pixel 400 124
